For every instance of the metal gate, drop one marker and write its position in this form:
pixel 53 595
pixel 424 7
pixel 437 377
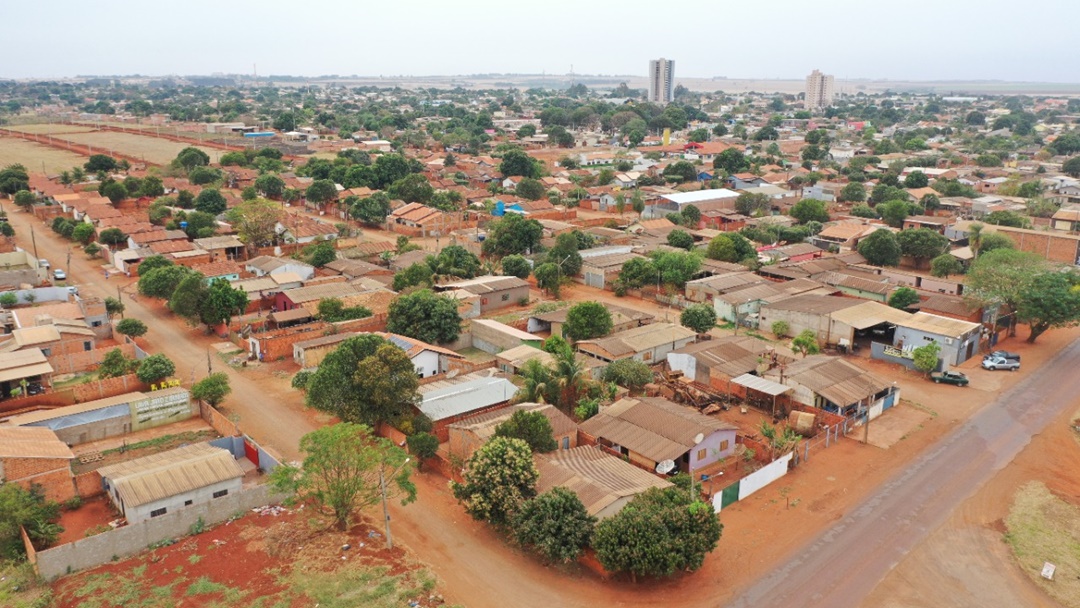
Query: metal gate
pixel 729 495
pixel 251 452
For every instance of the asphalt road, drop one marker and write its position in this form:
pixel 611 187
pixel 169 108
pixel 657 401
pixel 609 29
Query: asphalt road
pixel 843 564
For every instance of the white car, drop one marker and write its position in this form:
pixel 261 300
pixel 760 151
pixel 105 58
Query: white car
pixel 44 263
pixel 59 275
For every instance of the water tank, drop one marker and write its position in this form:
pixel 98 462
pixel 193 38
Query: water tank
pixel 183 225
pixel 500 208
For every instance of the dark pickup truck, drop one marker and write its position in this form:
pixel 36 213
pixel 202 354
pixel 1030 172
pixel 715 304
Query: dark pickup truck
pixel 956 378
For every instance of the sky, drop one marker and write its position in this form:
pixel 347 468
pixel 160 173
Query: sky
pixel 913 40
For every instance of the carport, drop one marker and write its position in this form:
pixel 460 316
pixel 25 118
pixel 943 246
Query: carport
pixel 865 317
pixel 763 386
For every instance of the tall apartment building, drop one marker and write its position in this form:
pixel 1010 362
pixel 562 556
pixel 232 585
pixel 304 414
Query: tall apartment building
pixel 819 90
pixel 661 80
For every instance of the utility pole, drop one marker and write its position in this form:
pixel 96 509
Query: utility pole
pixel 386 512
pixel 34 241
pixel 209 368
pixel 120 298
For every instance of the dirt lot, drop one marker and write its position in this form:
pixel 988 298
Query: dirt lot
pixel 31 155
pixel 154 150
pixel 53 128
pixel 259 561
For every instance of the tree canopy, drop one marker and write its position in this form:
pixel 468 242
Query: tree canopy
pixel 499 478
pixel 922 244
pixel 212 389
pixel 810 210
pixel 587 320
pixel 903 297
pixel 554 524
pixel 424 316
pixel 513 233
pixel 365 379
pixel 881 248
pixel 698 317
pixel 531 427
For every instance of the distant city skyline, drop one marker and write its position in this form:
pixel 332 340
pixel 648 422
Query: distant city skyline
pixel 849 39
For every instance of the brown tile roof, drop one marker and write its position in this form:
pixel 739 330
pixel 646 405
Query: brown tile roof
pixel 32 442
pixel 653 426
pixel 217 269
pixel 170 246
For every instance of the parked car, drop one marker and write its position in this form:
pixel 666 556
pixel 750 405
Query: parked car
pixel 1004 354
pixel 957 378
pixel 1001 363
pixel 59 275
pixel 44 263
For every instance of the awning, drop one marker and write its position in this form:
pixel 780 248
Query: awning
pixel 284 316
pixel 761 385
pixel 26 371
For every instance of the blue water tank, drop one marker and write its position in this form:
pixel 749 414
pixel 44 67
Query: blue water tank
pixel 500 208
pixel 183 225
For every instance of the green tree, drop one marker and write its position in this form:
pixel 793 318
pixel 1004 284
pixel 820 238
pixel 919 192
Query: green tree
pixel 853 192
pixel 864 211
pixel 332 310
pixel 780 329
pixel 416 274
pixel 270 185
pixel 321 191
pixel 676 267
pixel 587 320
pixel 1007 218
pixel 499 478
pixel 211 201
pixel 255 222
pixel 113 307
pixel 212 389
pixel 1052 299
pixel 922 244
pixel 455 261
pixel 189 158
pixel 945 265
pixel 83 233
pixel 113 237
pixel 342 471
pixel 565 254
pixel 152 187
pixel 100 163
pixel 365 379
pixel 531 427
pixel 530 189
pixel 28 509
pixel 373 209
pixel 154 368
pixel 631 373
pixel 752 204
pixel 538 384
pixel 903 298
pixel 25 199
pixel 681 239
pixel 1070 167
pixel 1001 277
pixel 221 303
pixel 425 316
pixel 880 248
pixel 894 212
pixel 916 179
pixel 660 532
pixel 320 254
pixel 131 327
pixel 926 357
pixel 638 272
pixel 114 191
pixel 698 317
pixel 810 210
pixel 187 299
pixel 14 178
pixel 512 233
pixel 153 262
pixel 516 266
pixel 731 161
pixel 994 240
pixel 115 364
pixel 806 343
pixel 680 171
pixel 548 277
pixel 162 282
pixel 517 162
pixel 554 524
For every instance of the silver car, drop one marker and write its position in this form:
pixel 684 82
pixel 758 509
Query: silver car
pixel 1000 363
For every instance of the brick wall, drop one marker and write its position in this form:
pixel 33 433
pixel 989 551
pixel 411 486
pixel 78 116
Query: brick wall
pixel 46 213
pixel 108 387
pixel 84 360
pixel 1051 246
pixel 218 421
pixel 279 344
pixel 88 484
pixel 52 474
pixel 30 402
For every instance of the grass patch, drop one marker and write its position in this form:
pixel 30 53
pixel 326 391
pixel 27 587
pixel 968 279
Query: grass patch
pixel 21 588
pixel 1044 528
pixel 919 406
pixel 203 586
pixel 371 587
pixel 80 378
pixel 194 558
pixel 185 437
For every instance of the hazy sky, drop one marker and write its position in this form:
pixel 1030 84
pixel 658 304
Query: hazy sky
pixel 916 40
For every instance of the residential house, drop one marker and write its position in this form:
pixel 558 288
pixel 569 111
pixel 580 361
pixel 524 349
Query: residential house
pixel 648 343
pixel 835 385
pixel 153 485
pixel 604 483
pixel 844 235
pixel 355 269
pixel 36 456
pixel 707 288
pixel 449 400
pixel 937 224
pixel 745 181
pixel 29 366
pixel 1067 218
pixel 225 269
pixel 742 305
pixel 704 200
pixel 295 298
pixel 268 265
pixel 959 340
pixel 495 291
pixel 714 363
pixel 602 271
pixel 469 434
pixel 222 247
pixel 651 430
pixel 621 319
pixel 493 337
pixel 302 229
pixel 834 320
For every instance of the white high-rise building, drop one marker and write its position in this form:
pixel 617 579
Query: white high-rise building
pixel 661 80
pixel 819 90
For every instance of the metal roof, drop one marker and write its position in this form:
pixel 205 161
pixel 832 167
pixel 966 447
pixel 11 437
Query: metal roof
pixel 596 477
pixel 698 196
pixel 23 364
pixel 942 326
pixel 868 314
pixel 834 378
pixel 506 329
pixel 761 385
pixel 652 426
pixel 483 425
pixel 638 339
pixel 78 408
pixel 454 397
pixel 157 476
pixel 32 442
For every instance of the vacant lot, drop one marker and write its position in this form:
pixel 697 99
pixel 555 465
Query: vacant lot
pixel 1044 528
pixel 51 128
pixel 152 149
pixel 31 155
pixel 260 561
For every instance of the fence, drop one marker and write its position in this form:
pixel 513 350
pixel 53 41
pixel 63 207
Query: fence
pixel 109 387
pixel 88 484
pixel 752 482
pixel 80 361
pixel 129 540
pixel 218 421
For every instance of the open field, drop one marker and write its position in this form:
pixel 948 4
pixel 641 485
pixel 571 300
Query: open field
pixel 160 151
pixel 53 128
pixel 30 154
pixel 259 560
pixel 1045 528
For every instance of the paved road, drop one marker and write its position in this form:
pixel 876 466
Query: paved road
pixel 843 564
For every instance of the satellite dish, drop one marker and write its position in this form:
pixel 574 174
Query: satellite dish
pixel 665 467
pixel 699 438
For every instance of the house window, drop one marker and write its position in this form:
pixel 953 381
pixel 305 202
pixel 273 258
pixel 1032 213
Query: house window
pixel 158 512
pixel 647 356
pixel 87 345
pixel 724 445
pixel 95 324
pixel 46 351
pixel 505 297
pixel 702 454
pixel 566 443
pixel 220 493
pixel 187 503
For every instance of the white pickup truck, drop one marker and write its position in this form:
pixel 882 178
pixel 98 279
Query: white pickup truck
pixel 993 362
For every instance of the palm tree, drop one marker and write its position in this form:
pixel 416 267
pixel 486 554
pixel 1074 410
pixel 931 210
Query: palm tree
pixel 538 383
pixel 569 376
pixel 78 174
pixel 65 178
pixel 975 237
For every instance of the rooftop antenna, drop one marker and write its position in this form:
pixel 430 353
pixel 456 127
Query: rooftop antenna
pixel 255 70
pixel 571 75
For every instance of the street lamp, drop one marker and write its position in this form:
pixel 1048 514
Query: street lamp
pixel 386 513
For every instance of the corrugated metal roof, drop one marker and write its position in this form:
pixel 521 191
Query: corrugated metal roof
pixel 32 442
pixel 506 329
pixel 943 326
pixel 761 385
pixel 454 397
pixel 652 426
pixel 597 478
pixel 868 314
pixel 834 378
pixel 639 339
pixel 157 476
pixel 78 408
pixel 486 284
pixel 483 425
pixel 23 364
